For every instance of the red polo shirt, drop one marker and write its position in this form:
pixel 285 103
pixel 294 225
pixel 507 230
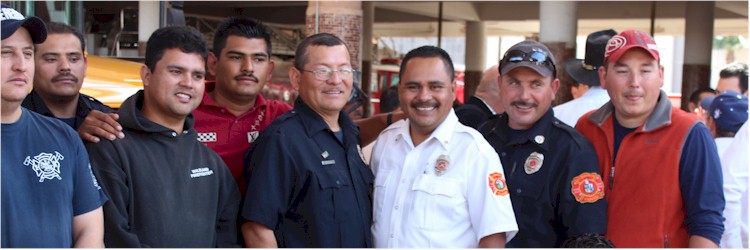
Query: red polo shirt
pixel 230 136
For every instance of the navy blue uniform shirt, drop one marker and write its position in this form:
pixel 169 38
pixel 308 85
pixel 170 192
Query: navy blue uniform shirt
pixel 307 186
pixel 86 103
pixel 544 164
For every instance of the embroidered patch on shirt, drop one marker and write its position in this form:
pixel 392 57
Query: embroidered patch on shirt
pixel 200 172
pixel 207 137
pixel 587 187
pixel 45 165
pixel 252 136
pixel 497 184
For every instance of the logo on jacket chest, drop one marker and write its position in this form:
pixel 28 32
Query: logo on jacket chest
pixel 200 172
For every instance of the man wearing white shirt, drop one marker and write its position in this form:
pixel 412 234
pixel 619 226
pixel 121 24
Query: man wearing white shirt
pixel 585 72
pixel 438 183
pixel 727 113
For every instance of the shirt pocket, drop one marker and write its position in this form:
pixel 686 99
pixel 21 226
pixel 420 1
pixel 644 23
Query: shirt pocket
pixel 381 182
pixel 438 202
pixel 331 196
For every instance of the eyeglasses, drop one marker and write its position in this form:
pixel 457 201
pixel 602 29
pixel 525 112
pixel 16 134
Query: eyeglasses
pixel 535 56
pixel 325 74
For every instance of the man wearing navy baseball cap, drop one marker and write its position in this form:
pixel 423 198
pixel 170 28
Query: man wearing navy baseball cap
pixel 551 170
pixel 50 198
pixel 667 187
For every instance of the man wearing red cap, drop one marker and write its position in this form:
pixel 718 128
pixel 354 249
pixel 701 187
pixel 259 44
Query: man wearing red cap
pixel 661 170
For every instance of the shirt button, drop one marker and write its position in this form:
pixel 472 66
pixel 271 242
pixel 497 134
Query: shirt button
pixel 518 190
pixel 338 182
pixel 174 134
pixel 391 236
pixel 396 207
pixel 222 111
pixel 502 154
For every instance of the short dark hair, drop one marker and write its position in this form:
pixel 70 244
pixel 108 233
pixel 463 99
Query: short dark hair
pixel 61 28
pixel 736 70
pixel 588 240
pixel 429 51
pixel 695 97
pixel 187 39
pixel 241 26
pixel 320 39
pixel 389 99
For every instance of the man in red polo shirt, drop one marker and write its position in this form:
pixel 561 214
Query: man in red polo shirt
pixel 233 111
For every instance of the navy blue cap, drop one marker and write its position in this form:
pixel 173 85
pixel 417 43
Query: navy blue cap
pixel 728 109
pixel 12 19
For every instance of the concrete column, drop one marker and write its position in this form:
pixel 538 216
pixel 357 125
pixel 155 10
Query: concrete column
pixel 368 21
pixel 148 22
pixel 699 33
pixel 475 56
pixel 340 18
pixel 558 26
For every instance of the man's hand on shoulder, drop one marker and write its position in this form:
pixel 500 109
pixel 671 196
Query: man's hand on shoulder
pixel 99 124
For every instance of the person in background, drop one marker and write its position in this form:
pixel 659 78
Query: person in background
pixel 50 198
pixel 60 70
pixel 167 188
pixel 584 73
pixel 552 171
pixel 485 103
pixel 728 112
pixel 666 190
pixel 736 162
pixel 696 98
pixel 733 77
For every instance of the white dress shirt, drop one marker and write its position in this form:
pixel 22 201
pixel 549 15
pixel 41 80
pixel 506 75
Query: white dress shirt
pixel 734 166
pixel 571 111
pixel 415 207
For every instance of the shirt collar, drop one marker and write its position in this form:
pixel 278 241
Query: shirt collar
pixel 314 123
pixel 486 105
pixel 536 135
pixel 443 133
pixel 208 101
pixel 661 116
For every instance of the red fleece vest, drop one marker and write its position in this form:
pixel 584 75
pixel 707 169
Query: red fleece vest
pixel 645 206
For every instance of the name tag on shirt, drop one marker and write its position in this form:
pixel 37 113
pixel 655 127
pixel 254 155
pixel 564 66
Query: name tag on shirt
pixel 328 162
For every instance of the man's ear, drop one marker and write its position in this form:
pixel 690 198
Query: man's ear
pixel 294 77
pixel 603 76
pixel 212 60
pixel 555 86
pixel 271 66
pixel 145 75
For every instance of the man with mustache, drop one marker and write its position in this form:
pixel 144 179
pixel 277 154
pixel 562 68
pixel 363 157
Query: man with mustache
pixel 307 185
pixel 60 69
pixel 552 171
pixel 667 187
pixel 439 184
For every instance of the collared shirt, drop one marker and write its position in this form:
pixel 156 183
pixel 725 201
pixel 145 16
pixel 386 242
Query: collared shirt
pixel 569 112
pixel 553 178
pixel 85 104
pixel 230 136
pixel 308 187
pixel 418 205
pixel 734 168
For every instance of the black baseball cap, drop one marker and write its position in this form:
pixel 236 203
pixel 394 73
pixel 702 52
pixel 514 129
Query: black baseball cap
pixel 12 19
pixel 530 54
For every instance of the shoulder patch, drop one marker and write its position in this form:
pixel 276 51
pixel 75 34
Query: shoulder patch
pixel 587 187
pixel 497 184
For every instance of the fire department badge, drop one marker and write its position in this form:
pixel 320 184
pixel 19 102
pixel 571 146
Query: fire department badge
pixel 497 184
pixel 441 165
pixel 533 163
pixel 45 165
pixel 587 187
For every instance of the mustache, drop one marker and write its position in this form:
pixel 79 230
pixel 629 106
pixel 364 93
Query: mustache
pixel 254 78
pixel 417 104
pixel 68 75
pixel 522 103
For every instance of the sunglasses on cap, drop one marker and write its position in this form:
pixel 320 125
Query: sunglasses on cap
pixel 536 57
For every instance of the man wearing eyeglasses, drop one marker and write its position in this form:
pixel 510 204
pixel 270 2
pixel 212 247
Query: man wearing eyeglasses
pixel 667 190
pixel 307 185
pixel 552 171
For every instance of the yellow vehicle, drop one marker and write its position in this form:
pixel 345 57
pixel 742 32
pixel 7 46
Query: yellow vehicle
pixel 111 80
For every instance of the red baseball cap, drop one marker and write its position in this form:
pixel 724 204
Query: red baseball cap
pixel 629 39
